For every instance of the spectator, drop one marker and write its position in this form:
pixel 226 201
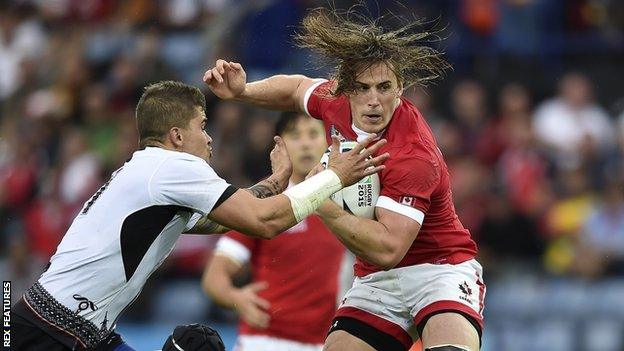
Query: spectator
pixel 573 121
pixel 601 248
pixel 469 111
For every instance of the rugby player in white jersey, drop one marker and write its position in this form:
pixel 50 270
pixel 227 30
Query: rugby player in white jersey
pixel 130 225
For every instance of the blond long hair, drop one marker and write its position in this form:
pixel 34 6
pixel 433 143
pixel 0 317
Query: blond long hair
pixel 351 42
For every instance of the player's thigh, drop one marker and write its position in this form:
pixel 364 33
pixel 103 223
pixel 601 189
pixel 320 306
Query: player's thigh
pixel 340 340
pixel 450 328
pixel 453 294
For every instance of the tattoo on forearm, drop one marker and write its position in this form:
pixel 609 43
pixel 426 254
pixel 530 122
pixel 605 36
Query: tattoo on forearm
pixel 205 225
pixel 266 188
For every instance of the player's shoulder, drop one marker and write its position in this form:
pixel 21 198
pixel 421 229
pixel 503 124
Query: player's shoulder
pixel 321 92
pixel 406 123
pixel 169 163
pixel 180 157
pixel 415 157
pixel 412 128
pixel 321 87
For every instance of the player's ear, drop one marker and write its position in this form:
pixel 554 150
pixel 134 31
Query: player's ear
pixel 175 136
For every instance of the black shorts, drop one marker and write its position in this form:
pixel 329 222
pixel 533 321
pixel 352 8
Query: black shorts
pixel 27 337
pixel 30 333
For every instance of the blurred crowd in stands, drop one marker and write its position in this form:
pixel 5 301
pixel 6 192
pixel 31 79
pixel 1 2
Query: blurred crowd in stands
pixel 531 120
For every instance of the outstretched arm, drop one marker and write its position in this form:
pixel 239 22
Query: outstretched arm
pixel 275 184
pixel 269 217
pixel 228 81
pixel 271 186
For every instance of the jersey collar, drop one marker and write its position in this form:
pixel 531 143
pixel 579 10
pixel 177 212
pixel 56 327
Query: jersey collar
pixel 361 135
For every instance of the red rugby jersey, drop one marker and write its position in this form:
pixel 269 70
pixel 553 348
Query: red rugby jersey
pixel 415 182
pixel 302 268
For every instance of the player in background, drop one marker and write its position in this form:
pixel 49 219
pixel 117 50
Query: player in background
pixel 130 225
pixel 416 267
pixel 290 303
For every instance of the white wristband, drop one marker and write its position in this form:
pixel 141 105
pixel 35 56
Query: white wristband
pixel 308 195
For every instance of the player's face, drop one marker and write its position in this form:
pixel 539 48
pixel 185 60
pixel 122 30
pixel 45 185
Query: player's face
pixel 375 98
pixel 196 140
pixel 305 143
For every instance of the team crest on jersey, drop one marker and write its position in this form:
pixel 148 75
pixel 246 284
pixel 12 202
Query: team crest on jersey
pixel 406 200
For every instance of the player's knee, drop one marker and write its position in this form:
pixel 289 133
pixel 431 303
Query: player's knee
pixel 448 348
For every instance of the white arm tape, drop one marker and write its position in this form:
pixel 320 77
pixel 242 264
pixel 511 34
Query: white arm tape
pixel 308 195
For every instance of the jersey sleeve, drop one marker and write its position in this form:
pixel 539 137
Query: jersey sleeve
pixel 194 219
pixel 316 97
pixel 236 246
pixel 407 187
pixel 188 182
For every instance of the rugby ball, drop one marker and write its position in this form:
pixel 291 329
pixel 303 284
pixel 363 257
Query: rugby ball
pixel 360 198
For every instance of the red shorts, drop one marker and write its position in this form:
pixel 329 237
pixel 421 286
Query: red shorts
pixel 397 301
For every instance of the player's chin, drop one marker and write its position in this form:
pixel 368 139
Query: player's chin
pixel 374 125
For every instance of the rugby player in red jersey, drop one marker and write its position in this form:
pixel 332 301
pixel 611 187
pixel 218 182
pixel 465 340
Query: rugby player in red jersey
pixel 416 270
pixel 292 298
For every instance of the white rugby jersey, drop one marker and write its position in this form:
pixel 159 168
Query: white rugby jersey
pixel 127 229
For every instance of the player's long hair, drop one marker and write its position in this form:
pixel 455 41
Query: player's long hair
pixel 351 42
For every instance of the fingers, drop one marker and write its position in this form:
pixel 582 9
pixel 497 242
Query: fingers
pixel 258 286
pixel 373 149
pixel 376 161
pixel 222 65
pixel 373 170
pixel 279 142
pixel 218 71
pixel 335 145
pixel 262 303
pixel 207 76
pixel 280 146
pixel 258 319
pixel 217 75
pixel 360 146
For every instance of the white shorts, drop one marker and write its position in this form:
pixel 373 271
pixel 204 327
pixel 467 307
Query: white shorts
pixel 270 343
pixel 398 300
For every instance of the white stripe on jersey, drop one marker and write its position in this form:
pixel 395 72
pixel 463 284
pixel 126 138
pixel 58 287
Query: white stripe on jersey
pixel 127 229
pixel 308 92
pixel 411 212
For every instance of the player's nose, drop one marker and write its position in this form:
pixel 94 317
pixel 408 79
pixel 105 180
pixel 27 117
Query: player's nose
pixel 373 99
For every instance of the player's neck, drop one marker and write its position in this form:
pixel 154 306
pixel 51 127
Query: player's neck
pixel 154 143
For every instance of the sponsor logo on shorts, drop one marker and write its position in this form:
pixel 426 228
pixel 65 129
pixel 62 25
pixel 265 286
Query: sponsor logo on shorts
pixel 465 289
